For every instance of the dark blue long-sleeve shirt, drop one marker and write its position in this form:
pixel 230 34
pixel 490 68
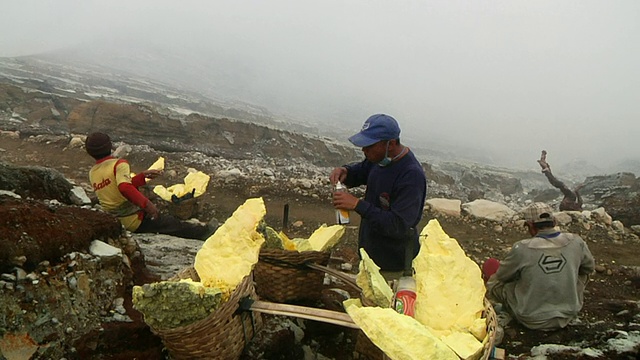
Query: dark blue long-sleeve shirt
pixel 391 208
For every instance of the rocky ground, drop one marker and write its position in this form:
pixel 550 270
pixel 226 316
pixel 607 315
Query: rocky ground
pixel 77 300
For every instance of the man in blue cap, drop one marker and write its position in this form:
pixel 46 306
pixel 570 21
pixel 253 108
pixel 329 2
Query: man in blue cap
pixel 394 197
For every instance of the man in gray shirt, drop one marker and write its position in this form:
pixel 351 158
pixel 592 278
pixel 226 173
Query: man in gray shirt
pixel 541 281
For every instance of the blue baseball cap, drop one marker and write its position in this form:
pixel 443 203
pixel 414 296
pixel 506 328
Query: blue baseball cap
pixel 378 127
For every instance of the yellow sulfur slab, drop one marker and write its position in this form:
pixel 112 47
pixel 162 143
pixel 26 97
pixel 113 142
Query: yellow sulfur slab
pixel 374 286
pixel 325 237
pixel 401 337
pixel 198 181
pixel 158 165
pixel 231 252
pixel 450 290
pixel 464 344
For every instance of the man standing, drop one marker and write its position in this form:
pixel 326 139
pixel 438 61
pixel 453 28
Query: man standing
pixel 572 200
pixel 541 281
pixel 395 193
pixel 118 194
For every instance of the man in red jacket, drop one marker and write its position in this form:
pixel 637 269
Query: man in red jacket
pixel 118 194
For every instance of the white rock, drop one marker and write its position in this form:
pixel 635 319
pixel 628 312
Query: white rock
pixel 601 216
pixel 449 207
pixel 617 226
pixel 489 210
pixel 79 196
pixel 76 142
pixel 562 218
pixel 102 249
pixel 233 173
pixel 10 193
pixel 122 151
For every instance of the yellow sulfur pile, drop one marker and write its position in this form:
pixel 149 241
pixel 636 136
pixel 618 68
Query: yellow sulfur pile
pixel 227 257
pixel 230 253
pixel 195 182
pixel 449 304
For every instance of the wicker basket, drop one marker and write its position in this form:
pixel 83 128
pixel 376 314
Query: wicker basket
pixel 222 335
pixel 492 325
pixel 282 276
pixel 367 350
pixel 185 209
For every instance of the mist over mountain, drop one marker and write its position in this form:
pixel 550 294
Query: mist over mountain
pixel 219 78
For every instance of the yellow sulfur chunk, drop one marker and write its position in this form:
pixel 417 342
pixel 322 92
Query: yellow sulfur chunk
pixel 352 302
pixel 231 252
pixel 399 336
pixel 158 165
pixel 196 180
pixel 286 242
pixel 325 237
pixel 479 328
pixel 464 344
pixel 301 244
pixel 374 286
pixel 166 193
pixel 450 290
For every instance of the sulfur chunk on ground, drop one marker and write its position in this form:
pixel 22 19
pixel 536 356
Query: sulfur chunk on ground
pixel 171 304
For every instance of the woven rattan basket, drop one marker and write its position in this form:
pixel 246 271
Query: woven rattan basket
pixel 222 335
pixel 367 350
pixel 185 209
pixel 282 276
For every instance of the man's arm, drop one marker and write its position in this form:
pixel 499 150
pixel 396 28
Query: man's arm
pixel 131 192
pixel 357 173
pixel 546 170
pixel 509 269
pixel 588 263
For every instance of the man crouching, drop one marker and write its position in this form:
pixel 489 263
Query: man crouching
pixel 541 281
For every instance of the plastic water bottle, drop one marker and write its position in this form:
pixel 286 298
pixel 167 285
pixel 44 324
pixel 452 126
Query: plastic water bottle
pixel 405 297
pixel 342 216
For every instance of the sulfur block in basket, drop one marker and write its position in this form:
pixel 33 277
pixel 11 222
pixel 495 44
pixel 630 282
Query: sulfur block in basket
pixel 450 307
pixel 195 302
pixel 281 273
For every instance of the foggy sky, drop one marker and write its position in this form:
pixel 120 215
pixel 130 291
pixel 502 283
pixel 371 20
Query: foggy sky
pixel 509 77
